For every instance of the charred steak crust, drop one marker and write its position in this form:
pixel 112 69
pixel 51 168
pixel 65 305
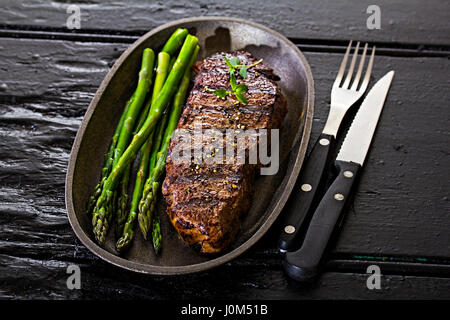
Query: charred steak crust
pixel 205 202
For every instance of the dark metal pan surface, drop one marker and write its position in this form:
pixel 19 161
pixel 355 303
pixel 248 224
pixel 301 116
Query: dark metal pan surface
pixel 270 192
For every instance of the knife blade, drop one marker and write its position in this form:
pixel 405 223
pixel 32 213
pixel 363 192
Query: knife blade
pixel 304 264
pixel 357 141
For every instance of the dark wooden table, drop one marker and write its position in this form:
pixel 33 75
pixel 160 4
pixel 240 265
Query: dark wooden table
pixel 400 215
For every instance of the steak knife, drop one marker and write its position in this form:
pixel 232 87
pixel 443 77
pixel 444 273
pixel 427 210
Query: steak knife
pixel 303 264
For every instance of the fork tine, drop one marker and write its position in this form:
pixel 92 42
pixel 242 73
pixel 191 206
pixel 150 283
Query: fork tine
pixel 352 67
pixel 361 65
pixel 368 72
pixel 340 74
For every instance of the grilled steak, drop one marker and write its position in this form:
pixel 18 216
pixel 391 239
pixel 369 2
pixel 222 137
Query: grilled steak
pixel 205 201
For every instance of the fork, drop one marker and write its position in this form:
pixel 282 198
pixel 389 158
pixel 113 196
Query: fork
pixel 342 98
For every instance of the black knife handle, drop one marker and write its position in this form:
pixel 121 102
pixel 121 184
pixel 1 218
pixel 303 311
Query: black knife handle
pixel 303 264
pixel 306 190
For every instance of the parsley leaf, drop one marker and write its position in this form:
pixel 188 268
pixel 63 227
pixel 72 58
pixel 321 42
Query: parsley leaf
pixel 235 61
pixel 233 81
pixel 243 72
pixel 221 93
pixel 241 88
pixel 241 97
pixel 228 63
pixel 238 89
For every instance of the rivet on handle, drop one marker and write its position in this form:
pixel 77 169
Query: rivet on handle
pixel 289 229
pixel 348 174
pixel 306 187
pixel 339 196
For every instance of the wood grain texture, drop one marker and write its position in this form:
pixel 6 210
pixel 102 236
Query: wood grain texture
pixel 401 22
pixel 400 210
pixel 38 279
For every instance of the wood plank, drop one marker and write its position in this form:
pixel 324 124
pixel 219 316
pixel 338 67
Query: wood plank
pixel 413 22
pixel 45 90
pixel 46 87
pixel 28 278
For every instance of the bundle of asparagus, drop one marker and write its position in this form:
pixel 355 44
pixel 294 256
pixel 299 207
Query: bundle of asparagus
pixel 145 127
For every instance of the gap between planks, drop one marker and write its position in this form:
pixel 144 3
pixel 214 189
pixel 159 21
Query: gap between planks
pixel 307 45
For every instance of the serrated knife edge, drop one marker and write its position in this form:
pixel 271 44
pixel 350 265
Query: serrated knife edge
pixel 357 141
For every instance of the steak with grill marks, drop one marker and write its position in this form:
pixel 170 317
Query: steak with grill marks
pixel 206 201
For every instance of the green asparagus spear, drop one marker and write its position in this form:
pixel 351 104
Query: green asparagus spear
pixel 159 133
pixel 121 133
pixel 147 203
pixel 122 197
pixel 102 217
pixel 161 74
pixel 156 233
pixel 122 200
pixel 145 75
pixel 165 61
pixel 171 63
pixel 127 233
pixel 145 79
pixel 158 139
pixel 109 158
pixel 119 204
pixel 143 115
pixel 145 217
pixel 175 41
